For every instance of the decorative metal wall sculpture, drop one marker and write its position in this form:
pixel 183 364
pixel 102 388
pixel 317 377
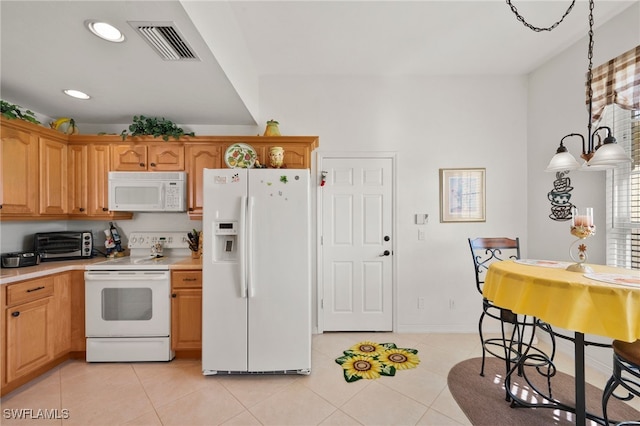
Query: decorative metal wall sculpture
pixel 559 196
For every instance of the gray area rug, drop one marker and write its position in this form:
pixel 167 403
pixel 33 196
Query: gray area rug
pixel 482 399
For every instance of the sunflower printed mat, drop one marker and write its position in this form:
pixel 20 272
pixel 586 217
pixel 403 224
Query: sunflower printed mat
pixel 370 360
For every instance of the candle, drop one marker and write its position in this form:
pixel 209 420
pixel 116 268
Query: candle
pixel 583 219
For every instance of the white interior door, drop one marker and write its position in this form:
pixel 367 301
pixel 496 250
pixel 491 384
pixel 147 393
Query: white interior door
pixel 357 244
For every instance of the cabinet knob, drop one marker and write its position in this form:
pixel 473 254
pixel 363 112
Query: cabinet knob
pixel 190 209
pixel 15 314
pixel 0 206
pixel 174 295
pixel 104 209
pixel 81 209
pixel 152 164
pixel 141 164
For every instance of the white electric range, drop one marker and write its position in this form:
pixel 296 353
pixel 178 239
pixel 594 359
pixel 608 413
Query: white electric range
pixel 128 300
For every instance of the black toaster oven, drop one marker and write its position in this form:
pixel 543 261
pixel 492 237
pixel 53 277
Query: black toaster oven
pixel 63 245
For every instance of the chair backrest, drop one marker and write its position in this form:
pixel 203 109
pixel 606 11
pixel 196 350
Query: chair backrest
pixel 485 251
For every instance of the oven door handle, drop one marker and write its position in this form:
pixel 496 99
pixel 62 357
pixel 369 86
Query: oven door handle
pixel 88 276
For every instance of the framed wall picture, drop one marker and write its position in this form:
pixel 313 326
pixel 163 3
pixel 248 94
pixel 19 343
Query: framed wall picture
pixel 462 195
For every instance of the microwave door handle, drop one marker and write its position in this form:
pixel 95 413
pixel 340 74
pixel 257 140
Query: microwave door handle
pixel 162 195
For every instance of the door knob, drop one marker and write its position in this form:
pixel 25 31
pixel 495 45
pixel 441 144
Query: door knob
pixel 387 238
pixel 386 253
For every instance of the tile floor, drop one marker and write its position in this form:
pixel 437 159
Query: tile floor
pixel 176 393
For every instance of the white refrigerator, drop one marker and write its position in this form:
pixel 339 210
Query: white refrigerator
pixel 256 264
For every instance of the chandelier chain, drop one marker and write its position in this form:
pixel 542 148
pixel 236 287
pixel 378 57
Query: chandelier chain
pixel 590 71
pixel 539 29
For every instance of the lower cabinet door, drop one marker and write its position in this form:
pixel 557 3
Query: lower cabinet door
pixel 29 344
pixel 186 319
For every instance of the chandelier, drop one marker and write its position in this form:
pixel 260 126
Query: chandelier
pixel 598 152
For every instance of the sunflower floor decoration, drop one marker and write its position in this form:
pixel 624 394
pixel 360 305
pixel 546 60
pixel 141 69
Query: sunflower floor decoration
pixel 370 360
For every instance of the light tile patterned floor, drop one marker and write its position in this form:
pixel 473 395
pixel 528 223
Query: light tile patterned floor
pixel 176 393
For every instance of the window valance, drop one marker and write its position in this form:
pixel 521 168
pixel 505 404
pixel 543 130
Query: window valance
pixel 617 82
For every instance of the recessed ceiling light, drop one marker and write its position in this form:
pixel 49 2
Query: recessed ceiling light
pixel 105 31
pixel 76 94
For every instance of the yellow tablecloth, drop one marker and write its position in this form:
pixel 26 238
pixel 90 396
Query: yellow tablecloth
pixel 567 299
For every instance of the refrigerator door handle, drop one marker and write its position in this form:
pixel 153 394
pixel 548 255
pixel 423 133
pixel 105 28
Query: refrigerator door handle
pixel 251 290
pixel 243 247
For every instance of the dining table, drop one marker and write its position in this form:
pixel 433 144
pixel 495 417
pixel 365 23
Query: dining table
pixel 604 302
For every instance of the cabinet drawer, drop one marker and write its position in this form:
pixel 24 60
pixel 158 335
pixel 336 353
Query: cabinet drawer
pixel 186 279
pixel 29 290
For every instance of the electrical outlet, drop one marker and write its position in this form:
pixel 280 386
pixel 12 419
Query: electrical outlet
pixel 452 304
pixel 420 302
pixel 421 234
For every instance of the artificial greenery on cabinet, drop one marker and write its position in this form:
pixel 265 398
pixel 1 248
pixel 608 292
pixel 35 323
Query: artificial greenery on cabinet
pixel 153 126
pixel 11 111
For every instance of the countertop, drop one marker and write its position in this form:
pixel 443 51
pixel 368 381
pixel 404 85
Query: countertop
pixel 11 275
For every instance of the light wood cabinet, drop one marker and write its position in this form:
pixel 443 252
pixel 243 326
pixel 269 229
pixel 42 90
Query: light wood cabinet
pixel 19 162
pixel 60 321
pixel 99 166
pixel 49 175
pixel 158 156
pixel 29 311
pixel 42 323
pixel 186 310
pixel 77 333
pixel 77 180
pixel 89 166
pixel 166 156
pixel 29 344
pixel 296 155
pixel 53 176
pixel 199 157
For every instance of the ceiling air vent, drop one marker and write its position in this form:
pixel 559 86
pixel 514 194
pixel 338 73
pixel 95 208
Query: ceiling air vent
pixel 166 40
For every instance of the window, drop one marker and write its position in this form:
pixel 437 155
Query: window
pixel 623 190
pixel 616 103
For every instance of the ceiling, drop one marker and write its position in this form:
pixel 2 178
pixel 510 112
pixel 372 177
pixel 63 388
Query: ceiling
pixel 46 48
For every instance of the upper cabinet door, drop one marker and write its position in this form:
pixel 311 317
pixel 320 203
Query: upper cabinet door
pixel 98 179
pixel 129 157
pixel 165 156
pixel 53 176
pixel 78 191
pixel 19 162
pixel 151 157
pixel 199 157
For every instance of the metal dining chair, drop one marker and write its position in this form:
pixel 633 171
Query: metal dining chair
pixel 512 342
pixel 626 373
pixel 485 251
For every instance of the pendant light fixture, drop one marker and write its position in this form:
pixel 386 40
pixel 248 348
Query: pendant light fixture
pixel 606 153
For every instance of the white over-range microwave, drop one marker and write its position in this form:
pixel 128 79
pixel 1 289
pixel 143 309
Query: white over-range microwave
pixel 147 191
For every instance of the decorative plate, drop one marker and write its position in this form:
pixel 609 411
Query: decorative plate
pixel 620 279
pixel 240 155
pixel 543 263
